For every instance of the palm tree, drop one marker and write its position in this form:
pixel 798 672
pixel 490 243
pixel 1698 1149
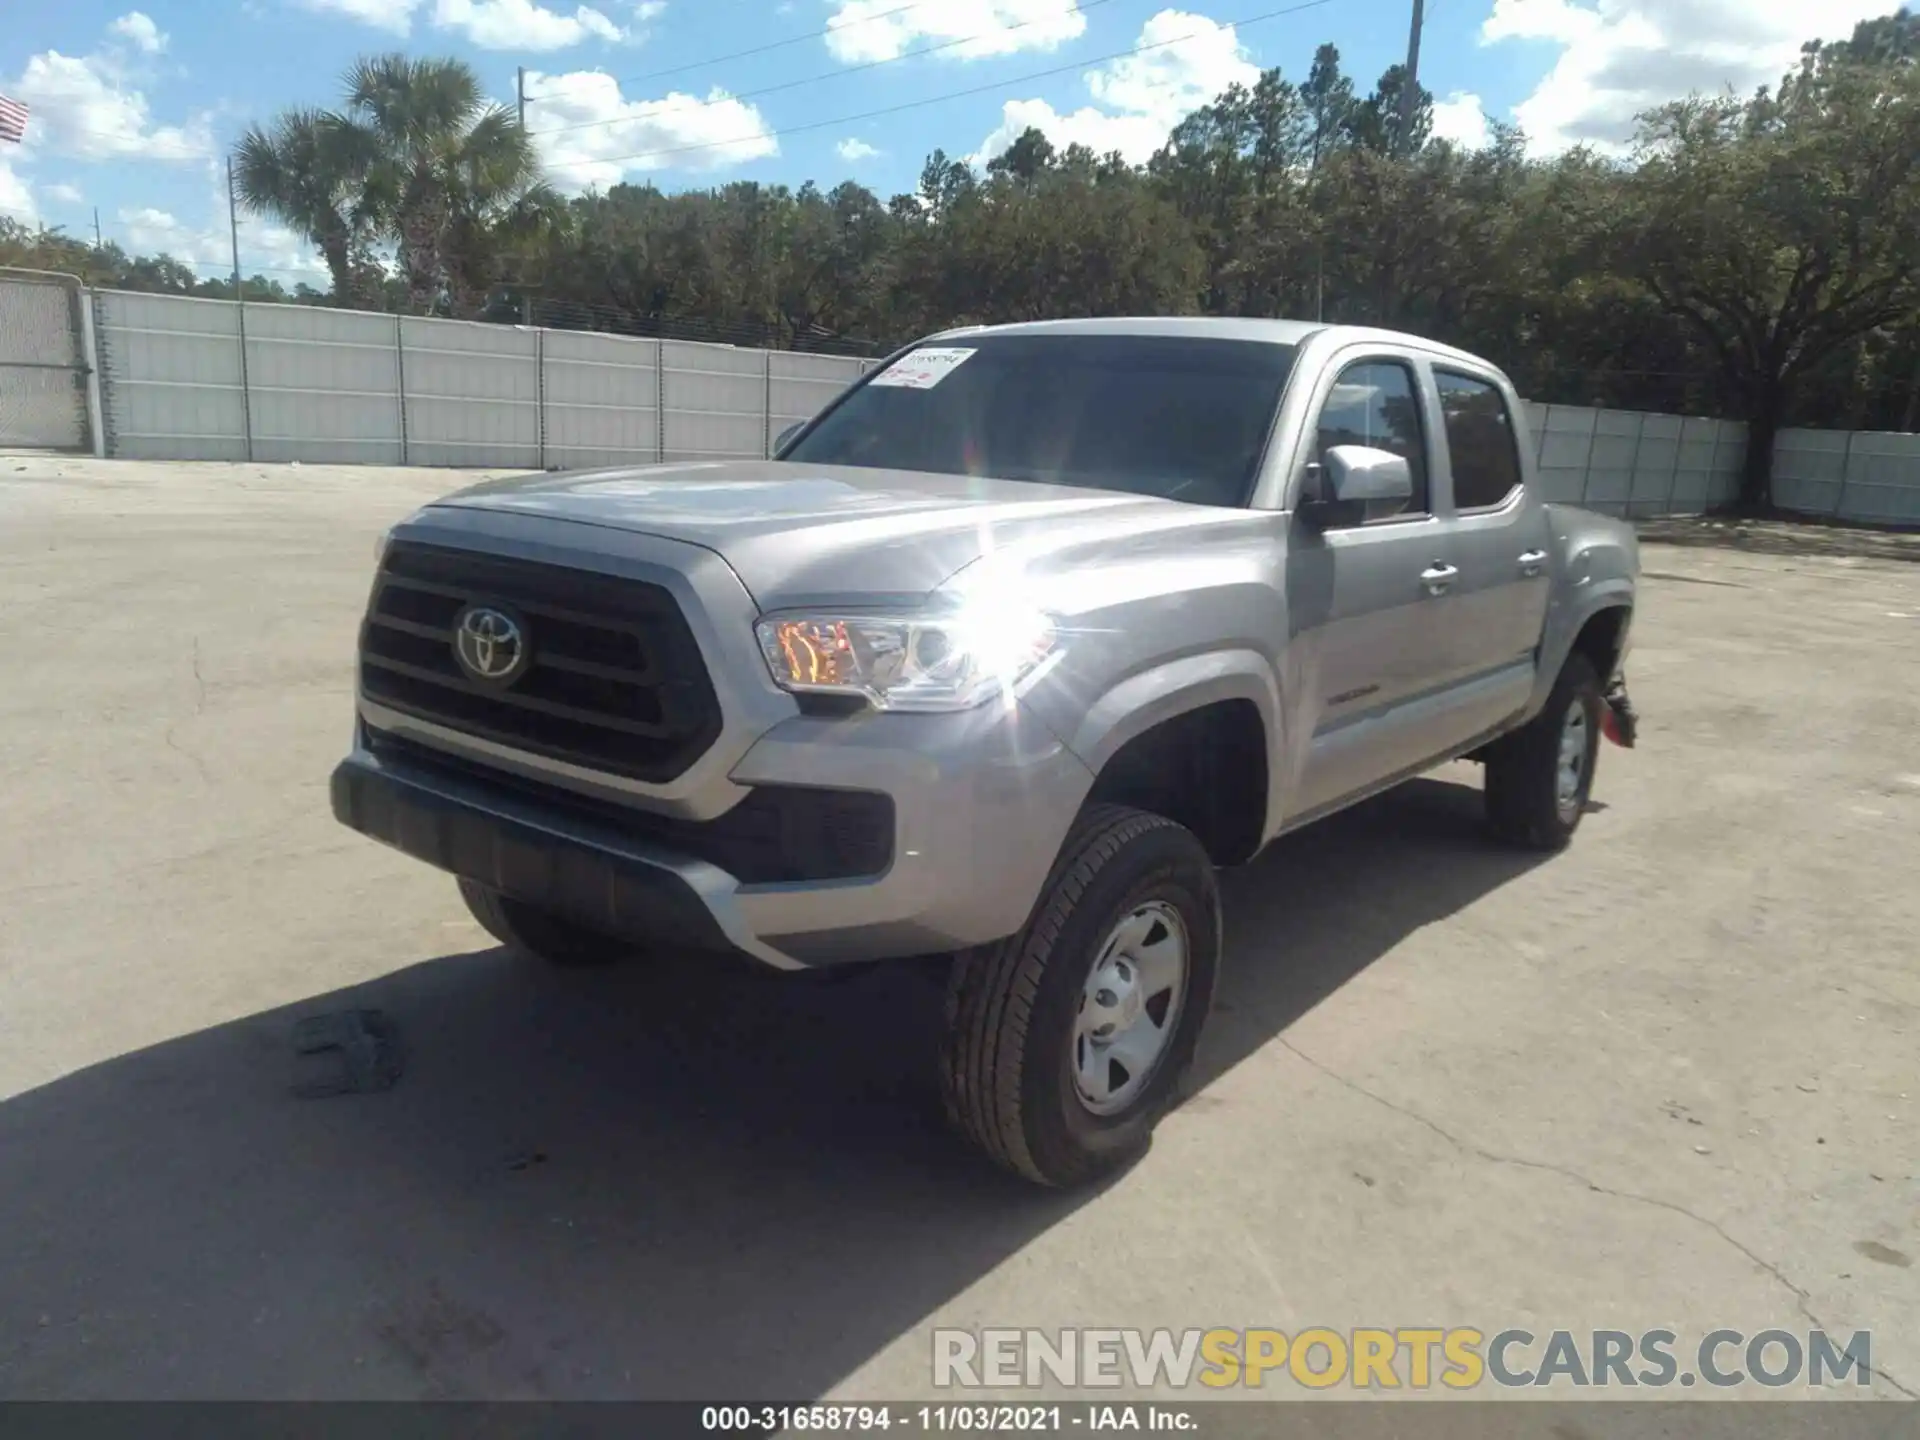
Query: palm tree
pixel 501 244
pixel 310 171
pixel 447 169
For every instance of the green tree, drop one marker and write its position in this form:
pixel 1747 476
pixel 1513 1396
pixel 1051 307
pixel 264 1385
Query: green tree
pixel 1026 159
pixel 1780 229
pixel 309 169
pixel 447 173
pixel 1375 123
pixel 1328 99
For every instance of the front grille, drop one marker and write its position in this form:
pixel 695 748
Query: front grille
pixel 778 833
pixel 615 681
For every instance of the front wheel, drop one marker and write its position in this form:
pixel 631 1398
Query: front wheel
pixel 1066 1043
pixel 1540 777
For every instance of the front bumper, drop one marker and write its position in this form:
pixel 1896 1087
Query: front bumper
pixel 981 802
pixel 597 880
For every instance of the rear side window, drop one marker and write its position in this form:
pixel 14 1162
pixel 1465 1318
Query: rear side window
pixel 1480 438
pixel 1374 404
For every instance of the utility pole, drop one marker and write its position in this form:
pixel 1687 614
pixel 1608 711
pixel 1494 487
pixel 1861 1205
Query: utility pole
pixel 233 223
pixel 1410 82
pixel 240 313
pixel 96 228
pixel 520 93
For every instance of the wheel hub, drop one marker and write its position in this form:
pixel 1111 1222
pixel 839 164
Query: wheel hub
pixel 1130 1007
pixel 1570 774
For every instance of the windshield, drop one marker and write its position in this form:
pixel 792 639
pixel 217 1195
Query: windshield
pixel 1172 416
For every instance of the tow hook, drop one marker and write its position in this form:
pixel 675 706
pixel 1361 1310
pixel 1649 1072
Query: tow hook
pixel 1618 722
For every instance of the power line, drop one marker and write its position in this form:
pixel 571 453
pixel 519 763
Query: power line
pixel 959 94
pixel 824 75
pixel 771 45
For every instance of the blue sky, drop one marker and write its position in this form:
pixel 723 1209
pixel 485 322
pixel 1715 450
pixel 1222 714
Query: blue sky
pixel 134 109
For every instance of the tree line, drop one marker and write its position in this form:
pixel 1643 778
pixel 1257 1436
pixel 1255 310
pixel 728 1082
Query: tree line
pixel 1753 257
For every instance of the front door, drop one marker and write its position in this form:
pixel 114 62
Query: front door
pixel 1365 599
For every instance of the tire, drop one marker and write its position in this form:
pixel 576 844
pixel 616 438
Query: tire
pixel 538 934
pixel 1530 801
pixel 1022 1064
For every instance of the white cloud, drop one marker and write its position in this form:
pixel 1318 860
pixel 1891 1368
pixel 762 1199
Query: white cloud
pixel 65 194
pixel 264 248
pixel 87 107
pixel 1462 119
pixel 139 31
pixel 395 16
pixel 493 24
pixel 594 136
pixel 521 24
pixel 1621 57
pixel 1141 97
pixel 16 196
pixel 854 149
pixel 155 232
pixel 885 29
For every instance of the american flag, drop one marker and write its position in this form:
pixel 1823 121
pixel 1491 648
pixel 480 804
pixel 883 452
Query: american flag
pixel 13 120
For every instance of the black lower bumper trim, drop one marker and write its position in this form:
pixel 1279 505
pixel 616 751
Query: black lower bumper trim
pixel 586 878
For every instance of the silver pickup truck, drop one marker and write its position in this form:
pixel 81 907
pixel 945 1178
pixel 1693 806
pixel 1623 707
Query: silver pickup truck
pixel 1011 646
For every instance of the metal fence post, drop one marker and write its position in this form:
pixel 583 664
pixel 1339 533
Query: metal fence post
pixel 1846 464
pixel 660 401
pixel 90 357
pixel 1673 475
pixel 400 380
pixel 766 428
pixel 540 390
pixel 1713 456
pixel 1633 461
pixel 1586 470
pixel 246 388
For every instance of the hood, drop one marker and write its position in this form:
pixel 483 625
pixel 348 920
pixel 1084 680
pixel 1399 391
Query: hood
pixel 811 534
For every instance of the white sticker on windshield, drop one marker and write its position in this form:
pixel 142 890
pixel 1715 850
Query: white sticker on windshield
pixel 923 369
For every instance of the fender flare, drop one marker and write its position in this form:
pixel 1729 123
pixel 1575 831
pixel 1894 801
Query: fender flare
pixel 1166 691
pixel 1564 625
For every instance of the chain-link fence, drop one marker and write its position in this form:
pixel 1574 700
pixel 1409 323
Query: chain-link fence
pixel 43 367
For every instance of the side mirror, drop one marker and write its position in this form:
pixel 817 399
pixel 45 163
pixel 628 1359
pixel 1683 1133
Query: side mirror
pixel 780 442
pixel 1357 483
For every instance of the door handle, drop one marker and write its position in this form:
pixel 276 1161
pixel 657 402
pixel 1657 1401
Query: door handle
pixel 1531 562
pixel 1437 577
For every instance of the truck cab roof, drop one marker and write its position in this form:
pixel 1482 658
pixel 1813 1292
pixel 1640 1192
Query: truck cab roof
pixel 1274 332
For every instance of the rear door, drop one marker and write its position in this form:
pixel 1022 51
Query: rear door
pixel 1499 535
pixel 1365 599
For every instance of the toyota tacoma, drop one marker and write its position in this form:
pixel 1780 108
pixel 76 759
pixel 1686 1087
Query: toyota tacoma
pixel 1002 656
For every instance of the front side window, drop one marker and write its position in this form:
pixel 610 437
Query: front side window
pixel 1178 417
pixel 1480 440
pixel 1376 403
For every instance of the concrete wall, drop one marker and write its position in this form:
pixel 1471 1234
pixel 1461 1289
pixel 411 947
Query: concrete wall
pixel 325 385
pixel 335 385
pixel 1848 474
pixel 1624 462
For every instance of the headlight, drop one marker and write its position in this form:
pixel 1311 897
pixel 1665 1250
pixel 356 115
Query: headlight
pixel 948 661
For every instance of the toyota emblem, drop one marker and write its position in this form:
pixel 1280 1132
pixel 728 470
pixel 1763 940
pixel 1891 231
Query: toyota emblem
pixel 490 644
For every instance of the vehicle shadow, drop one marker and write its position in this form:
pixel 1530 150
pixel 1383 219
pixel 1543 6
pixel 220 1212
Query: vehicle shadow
pixel 658 1181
